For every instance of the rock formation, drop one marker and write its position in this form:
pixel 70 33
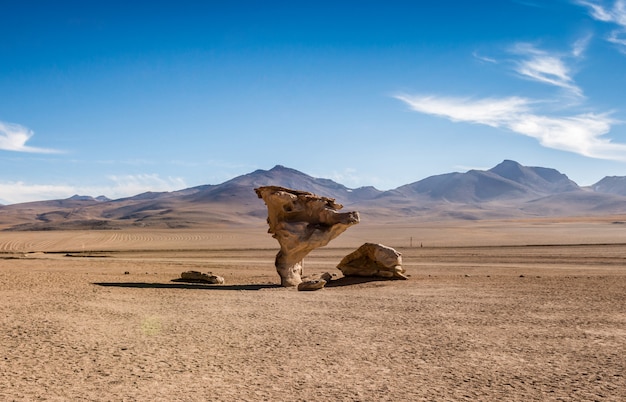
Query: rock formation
pixel 196 276
pixel 373 260
pixel 301 222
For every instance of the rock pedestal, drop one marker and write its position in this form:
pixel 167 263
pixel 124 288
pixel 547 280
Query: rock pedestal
pixel 301 222
pixel 373 260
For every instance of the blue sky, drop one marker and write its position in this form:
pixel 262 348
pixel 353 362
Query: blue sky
pixel 117 98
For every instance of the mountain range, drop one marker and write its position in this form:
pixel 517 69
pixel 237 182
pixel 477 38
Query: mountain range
pixel 508 190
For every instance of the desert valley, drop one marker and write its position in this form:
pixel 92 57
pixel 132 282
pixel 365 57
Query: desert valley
pixel 516 291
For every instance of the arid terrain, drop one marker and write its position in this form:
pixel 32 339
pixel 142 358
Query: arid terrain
pixel 493 310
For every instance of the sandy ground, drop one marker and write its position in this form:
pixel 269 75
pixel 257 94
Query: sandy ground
pixel 95 316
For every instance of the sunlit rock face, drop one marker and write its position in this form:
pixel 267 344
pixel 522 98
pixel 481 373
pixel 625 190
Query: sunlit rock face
pixel 373 260
pixel 301 222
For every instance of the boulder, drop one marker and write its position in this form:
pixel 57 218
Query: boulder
pixel 373 260
pixel 197 276
pixel 301 222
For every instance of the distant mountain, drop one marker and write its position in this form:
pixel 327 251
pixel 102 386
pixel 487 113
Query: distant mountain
pixel 508 180
pixel 539 179
pixel 240 187
pixel 611 185
pixel 232 202
pixel 77 197
pixel 508 190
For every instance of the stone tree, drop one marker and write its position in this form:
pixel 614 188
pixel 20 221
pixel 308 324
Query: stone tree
pixel 301 222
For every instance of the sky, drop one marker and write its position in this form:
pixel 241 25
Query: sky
pixel 117 98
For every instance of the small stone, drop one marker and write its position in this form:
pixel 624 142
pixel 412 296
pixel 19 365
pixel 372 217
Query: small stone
pixel 313 277
pixel 326 276
pixel 316 284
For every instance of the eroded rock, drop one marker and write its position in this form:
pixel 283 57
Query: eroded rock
pixel 301 222
pixel 373 259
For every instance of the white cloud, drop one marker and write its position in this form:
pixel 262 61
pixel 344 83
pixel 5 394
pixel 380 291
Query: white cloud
pixel 13 137
pixel 615 38
pixel 484 58
pixel 16 192
pixel 581 134
pixel 490 111
pixel 539 65
pixel 597 11
pixel 615 15
pixel 580 46
pixel 117 187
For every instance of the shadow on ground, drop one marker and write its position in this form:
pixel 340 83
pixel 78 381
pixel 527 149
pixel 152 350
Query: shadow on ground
pixel 179 285
pixel 354 280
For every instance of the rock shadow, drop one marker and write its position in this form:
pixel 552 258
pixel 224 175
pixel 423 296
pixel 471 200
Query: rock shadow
pixel 185 285
pixel 355 280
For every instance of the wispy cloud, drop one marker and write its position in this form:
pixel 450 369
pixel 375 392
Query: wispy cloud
pixel 548 68
pixel 614 15
pixel 116 187
pixel 571 131
pixel 490 111
pixel 580 46
pixel 485 59
pixel 582 133
pixel 13 137
pixel 17 191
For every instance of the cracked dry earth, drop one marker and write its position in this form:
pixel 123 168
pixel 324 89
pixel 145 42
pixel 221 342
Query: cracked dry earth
pixel 483 323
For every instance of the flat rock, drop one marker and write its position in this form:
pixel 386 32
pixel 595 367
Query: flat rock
pixel 197 276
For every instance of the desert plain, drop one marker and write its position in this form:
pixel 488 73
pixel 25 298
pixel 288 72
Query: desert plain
pixel 501 310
